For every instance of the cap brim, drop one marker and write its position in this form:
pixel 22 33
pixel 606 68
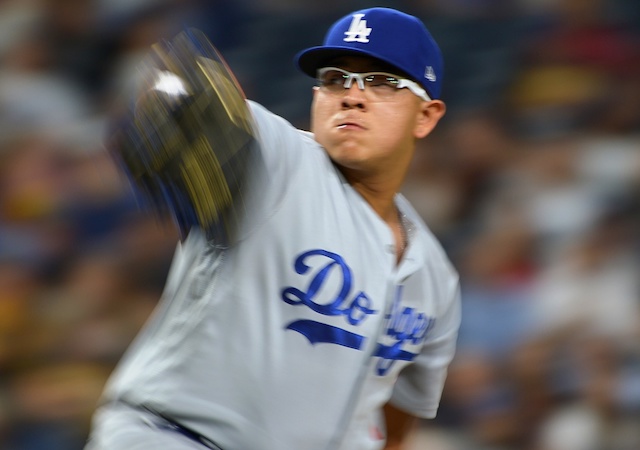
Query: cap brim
pixel 311 59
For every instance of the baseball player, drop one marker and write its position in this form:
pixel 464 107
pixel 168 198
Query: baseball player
pixel 308 306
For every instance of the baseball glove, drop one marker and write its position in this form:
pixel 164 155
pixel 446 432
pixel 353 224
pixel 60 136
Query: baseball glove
pixel 187 140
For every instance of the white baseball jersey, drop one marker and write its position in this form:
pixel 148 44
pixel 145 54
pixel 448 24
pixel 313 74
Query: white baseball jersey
pixel 295 337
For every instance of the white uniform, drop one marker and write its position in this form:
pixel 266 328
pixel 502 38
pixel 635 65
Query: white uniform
pixel 296 337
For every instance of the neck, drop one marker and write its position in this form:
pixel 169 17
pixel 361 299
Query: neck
pixel 378 191
pixel 381 198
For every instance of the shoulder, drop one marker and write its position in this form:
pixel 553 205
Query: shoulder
pixel 278 135
pixel 266 121
pixel 288 151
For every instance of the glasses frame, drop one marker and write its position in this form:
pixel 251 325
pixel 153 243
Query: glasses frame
pixel 360 81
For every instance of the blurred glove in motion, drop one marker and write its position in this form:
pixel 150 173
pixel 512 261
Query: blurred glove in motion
pixel 186 139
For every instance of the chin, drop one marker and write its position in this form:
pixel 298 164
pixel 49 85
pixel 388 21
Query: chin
pixel 350 163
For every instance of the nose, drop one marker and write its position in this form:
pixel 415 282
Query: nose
pixel 353 97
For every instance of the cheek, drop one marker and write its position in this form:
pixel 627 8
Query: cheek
pixel 319 116
pixel 401 121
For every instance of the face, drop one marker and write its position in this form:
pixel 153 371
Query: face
pixel 362 134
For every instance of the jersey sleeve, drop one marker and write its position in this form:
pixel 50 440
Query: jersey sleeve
pixel 283 149
pixel 282 144
pixel 419 386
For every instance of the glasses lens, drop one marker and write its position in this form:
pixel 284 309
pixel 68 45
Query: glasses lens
pixel 381 85
pixel 332 79
pixel 381 80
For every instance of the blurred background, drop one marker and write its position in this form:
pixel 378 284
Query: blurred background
pixel 531 183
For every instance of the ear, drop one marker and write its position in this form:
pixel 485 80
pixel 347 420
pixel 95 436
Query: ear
pixel 429 114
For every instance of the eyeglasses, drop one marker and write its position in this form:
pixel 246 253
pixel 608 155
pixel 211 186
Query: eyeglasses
pixel 381 86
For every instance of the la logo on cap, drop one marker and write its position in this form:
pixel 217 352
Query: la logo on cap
pixel 358 31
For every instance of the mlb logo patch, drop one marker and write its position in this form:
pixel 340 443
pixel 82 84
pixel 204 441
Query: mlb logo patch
pixel 430 74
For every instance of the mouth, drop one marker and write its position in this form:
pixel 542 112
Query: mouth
pixel 349 126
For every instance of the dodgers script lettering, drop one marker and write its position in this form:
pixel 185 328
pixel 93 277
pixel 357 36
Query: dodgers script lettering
pixel 403 327
pixel 355 308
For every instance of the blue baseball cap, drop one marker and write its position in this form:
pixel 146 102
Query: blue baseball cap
pixel 394 37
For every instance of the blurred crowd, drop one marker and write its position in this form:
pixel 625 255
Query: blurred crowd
pixel 532 184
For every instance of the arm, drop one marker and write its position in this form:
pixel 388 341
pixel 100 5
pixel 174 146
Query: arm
pixel 400 425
